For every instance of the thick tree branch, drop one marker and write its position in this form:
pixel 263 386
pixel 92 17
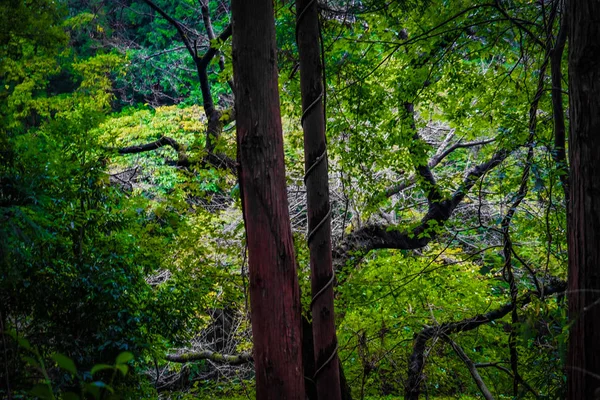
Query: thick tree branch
pixel 216 160
pixel 201 66
pixel 239 359
pixel 417 359
pixel 163 141
pixel 378 236
pixel 182 158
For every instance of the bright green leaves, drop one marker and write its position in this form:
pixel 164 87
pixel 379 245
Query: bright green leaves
pixel 395 295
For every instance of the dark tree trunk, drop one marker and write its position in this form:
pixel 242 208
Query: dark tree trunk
pixel 583 363
pixel 326 376
pixel 274 292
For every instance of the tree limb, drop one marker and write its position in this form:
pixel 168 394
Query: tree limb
pixel 471 366
pixel 504 369
pixel 239 359
pixel 434 161
pixel 377 236
pixel 417 359
pixel 176 24
pixel 182 158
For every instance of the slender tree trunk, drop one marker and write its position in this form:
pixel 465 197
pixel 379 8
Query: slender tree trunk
pixel 327 377
pixel 583 364
pixel 274 292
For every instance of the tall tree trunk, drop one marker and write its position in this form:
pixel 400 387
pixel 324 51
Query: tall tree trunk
pixel 274 292
pixel 326 377
pixel 583 365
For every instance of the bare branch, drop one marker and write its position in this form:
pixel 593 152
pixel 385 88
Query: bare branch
pixel 433 162
pixel 163 141
pixel 504 369
pixel 471 366
pixel 176 24
pixel 239 359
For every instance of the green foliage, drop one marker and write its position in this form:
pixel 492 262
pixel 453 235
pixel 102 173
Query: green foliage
pixel 102 252
pixel 90 386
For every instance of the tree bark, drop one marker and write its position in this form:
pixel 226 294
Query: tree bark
pixel 274 292
pixel 326 375
pixel 583 362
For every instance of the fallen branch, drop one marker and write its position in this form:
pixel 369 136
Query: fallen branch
pixel 239 359
pixel 163 141
pixel 216 160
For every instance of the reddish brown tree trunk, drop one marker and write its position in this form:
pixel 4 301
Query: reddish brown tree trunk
pixel 274 292
pixel 583 364
pixel 327 375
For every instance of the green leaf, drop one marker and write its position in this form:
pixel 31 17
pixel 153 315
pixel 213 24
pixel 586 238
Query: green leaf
pixel 24 343
pixel 124 357
pixel 42 391
pixel 92 389
pixel 100 367
pixel 123 368
pixel 65 363
pixel 70 396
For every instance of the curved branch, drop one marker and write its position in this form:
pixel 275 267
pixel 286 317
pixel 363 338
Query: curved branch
pixel 435 160
pixel 239 359
pixel 417 359
pixel 216 160
pixel 157 144
pixel 378 236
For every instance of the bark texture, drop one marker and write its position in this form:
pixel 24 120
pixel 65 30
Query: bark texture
pixel 583 363
pixel 326 375
pixel 274 292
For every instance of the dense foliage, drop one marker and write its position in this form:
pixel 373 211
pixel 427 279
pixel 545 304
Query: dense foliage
pixel 120 217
